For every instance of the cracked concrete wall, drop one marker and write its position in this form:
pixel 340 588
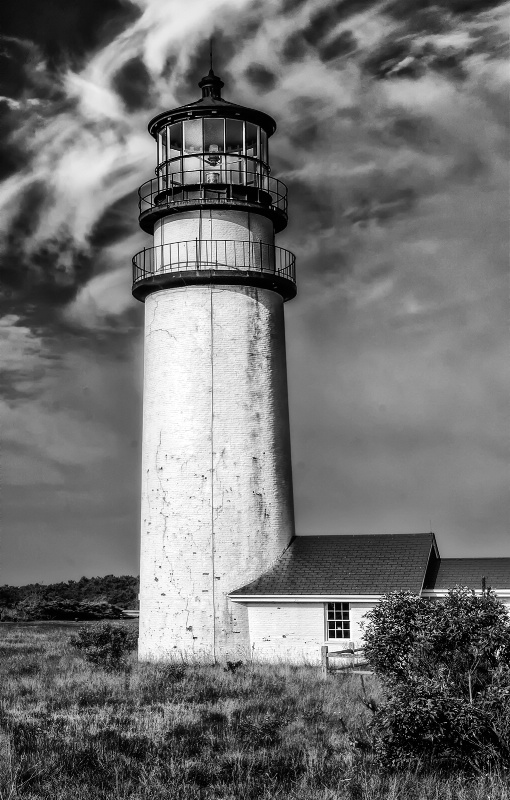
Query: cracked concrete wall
pixel 217 507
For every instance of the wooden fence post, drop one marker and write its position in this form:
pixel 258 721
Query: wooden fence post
pixel 324 659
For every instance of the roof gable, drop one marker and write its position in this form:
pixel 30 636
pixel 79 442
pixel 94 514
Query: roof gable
pixel 469 572
pixel 325 565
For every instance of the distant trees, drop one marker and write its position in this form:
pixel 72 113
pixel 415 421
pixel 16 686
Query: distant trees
pixel 445 668
pixel 88 598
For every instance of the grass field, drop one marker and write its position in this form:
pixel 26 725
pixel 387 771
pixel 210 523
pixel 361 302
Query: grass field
pixel 190 733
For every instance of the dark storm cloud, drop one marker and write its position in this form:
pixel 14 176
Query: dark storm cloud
pixel 404 58
pixel 28 96
pixel 320 24
pixel 449 61
pixel 25 80
pixel 306 136
pixel 394 57
pixel 116 223
pixel 224 48
pixel 489 40
pixel 408 8
pixel 377 272
pixel 12 157
pixel 410 130
pixel 342 45
pixel 51 273
pixel 310 206
pixel 261 77
pixel 291 6
pixel 294 47
pixel 66 30
pixel 133 83
pixel 431 20
pixel 246 26
pixel 383 205
pixel 316 34
pixel 13 58
pixel 323 21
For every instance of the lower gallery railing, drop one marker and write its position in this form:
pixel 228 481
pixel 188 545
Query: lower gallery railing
pixel 224 254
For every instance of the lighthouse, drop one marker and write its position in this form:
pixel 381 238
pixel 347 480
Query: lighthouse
pixel 217 503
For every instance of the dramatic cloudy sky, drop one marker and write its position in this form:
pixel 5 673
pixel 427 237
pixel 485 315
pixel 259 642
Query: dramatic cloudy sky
pixel 391 139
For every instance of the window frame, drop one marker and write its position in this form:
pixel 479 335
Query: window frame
pixel 346 628
pixel 251 169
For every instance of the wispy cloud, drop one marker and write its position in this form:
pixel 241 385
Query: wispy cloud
pixel 392 139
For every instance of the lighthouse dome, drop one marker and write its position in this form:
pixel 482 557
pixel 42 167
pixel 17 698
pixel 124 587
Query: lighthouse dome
pixel 212 102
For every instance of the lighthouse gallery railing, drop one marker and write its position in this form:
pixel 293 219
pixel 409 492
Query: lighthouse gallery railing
pixel 214 254
pixel 220 183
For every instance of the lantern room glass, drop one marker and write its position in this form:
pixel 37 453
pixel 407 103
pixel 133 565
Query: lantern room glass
pixel 234 146
pixel 175 140
pixel 212 150
pixel 192 146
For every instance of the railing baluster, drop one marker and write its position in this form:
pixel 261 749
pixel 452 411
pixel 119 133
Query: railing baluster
pixel 214 254
pixel 161 190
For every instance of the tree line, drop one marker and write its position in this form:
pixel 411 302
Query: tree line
pixel 87 598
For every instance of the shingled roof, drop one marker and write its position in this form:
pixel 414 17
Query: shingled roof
pixel 347 565
pixel 469 572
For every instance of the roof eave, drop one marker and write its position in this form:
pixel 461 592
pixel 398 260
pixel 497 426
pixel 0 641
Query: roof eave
pixel 443 592
pixel 223 107
pixel 303 598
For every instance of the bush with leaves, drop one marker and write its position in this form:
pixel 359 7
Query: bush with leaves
pixel 105 645
pixel 445 667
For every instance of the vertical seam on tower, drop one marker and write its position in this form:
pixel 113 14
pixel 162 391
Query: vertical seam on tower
pixel 212 474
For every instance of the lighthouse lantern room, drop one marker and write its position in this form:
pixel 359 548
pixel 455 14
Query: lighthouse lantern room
pixel 217 505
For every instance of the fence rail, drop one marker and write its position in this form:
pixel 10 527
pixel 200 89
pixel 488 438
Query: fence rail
pixel 214 254
pixel 352 658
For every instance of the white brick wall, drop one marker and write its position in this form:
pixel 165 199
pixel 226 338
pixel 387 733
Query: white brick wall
pixel 289 631
pixel 216 474
pixel 198 228
pixel 207 224
pixel 358 611
pixel 296 631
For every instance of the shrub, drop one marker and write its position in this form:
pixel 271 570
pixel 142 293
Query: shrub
pixel 105 645
pixel 395 626
pixel 445 667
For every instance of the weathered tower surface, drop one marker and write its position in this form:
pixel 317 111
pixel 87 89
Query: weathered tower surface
pixel 217 506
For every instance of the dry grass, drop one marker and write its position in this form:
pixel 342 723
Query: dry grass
pixel 191 733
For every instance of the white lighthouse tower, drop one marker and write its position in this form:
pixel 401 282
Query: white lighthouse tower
pixel 217 505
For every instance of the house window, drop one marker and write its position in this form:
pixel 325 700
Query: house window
pixel 337 621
